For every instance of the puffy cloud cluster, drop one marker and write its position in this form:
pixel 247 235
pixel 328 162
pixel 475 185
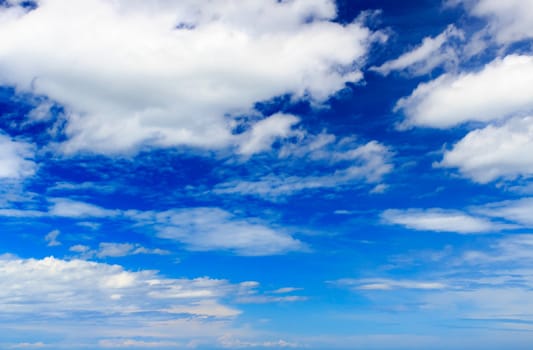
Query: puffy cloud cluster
pixel 501 89
pixel 50 286
pixel 169 73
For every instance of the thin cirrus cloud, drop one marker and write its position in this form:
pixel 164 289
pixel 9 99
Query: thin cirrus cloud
pixel 114 250
pixel 154 81
pixel 197 228
pixel 439 220
pixel 205 229
pixel 383 284
pixel 431 53
pixel 347 162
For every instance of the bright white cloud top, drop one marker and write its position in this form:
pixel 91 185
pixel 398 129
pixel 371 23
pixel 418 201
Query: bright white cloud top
pixel 169 73
pixel 501 89
pixel 308 174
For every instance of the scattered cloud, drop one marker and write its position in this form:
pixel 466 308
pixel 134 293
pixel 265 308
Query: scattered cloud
pixel 16 159
pixel 132 343
pixel 503 151
pixel 49 286
pixel 430 54
pixel 439 220
pixel 51 238
pixel 347 164
pixel 516 211
pixel 114 250
pixel 387 284
pixel 508 21
pixel 64 207
pixel 155 80
pixel 266 131
pixel 206 229
pixel 232 343
pixel 499 90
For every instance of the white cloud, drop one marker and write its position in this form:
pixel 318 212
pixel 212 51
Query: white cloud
pixel 198 228
pixel 116 250
pixel 508 21
pixel 65 207
pixel 286 290
pixel 131 73
pixel 232 343
pixel 51 286
pixel 387 284
pixel 501 89
pixel 132 343
pixel 15 159
pixel 439 220
pixel 494 152
pixel 51 238
pixel 266 131
pixel 431 53
pixel 204 229
pixel 79 248
pixel 517 211
pixel 348 162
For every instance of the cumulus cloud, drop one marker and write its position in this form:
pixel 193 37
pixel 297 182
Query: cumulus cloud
pixel 501 89
pixel 508 21
pixel 16 159
pixel 93 302
pixel 266 131
pixel 130 73
pixel 50 286
pixel 503 151
pixel 431 53
pixel 439 220
pixel 204 229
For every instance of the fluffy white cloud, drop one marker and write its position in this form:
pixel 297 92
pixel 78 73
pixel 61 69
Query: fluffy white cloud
pixel 501 89
pixel 439 220
pixel 203 229
pixel 494 152
pixel 74 303
pixel 431 53
pixel 15 158
pixel 169 73
pixel 508 21
pixel 51 286
pixel 266 131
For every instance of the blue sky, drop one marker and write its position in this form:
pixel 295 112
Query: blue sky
pixel 307 174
